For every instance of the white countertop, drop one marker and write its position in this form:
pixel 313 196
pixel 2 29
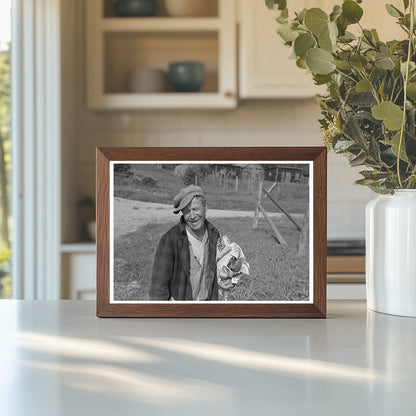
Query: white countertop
pixel 57 358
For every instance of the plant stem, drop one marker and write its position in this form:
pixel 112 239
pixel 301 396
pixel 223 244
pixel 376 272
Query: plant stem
pixel 346 75
pixel 405 81
pixel 373 88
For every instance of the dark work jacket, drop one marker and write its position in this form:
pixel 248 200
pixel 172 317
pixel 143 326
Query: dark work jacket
pixel 171 268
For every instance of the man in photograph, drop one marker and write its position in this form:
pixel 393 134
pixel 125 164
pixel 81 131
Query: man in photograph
pixel 185 262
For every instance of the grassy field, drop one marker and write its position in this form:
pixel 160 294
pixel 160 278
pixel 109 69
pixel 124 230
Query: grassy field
pixel 277 273
pixel 292 196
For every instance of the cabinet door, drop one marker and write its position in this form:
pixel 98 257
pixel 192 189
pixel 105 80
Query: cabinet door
pixel 266 71
pixel 265 68
pixel 78 276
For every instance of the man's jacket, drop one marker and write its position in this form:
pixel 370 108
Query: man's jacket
pixel 171 268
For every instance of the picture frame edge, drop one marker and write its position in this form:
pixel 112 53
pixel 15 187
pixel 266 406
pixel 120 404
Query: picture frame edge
pixel 106 309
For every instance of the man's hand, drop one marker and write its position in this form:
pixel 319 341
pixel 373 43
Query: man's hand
pixel 226 284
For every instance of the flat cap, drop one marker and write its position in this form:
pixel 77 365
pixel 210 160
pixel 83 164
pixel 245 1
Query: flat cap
pixel 185 196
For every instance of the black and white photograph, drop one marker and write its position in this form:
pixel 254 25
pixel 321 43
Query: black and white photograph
pixel 211 231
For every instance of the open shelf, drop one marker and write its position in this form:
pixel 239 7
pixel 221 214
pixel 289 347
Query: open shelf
pixel 160 24
pixel 116 46
pixel 210 9
pixel 127 51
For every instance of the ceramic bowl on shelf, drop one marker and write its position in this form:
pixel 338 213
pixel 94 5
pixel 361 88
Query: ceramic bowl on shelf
pixel 147 80
pixel 186 76
pixel 135 8
pixel 191 8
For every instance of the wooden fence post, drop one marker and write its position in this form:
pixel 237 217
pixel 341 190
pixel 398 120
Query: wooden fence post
pixel 304 234
pixel 277 235
pixel 283 210
pixel 256 212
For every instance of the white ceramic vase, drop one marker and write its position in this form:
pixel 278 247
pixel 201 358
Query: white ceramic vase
pixel 391 253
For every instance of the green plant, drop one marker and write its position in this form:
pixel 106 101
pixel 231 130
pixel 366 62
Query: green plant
pixel 369 112
pixel 5 278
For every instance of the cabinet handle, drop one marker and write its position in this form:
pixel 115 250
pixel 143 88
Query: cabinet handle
pixel 229 94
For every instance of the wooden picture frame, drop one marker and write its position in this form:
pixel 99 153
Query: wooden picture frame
pixel 246 163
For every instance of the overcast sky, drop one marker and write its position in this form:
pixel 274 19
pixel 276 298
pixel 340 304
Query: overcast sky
pixel 4 21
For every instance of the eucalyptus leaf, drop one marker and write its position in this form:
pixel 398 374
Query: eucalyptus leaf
pixel 385 50
pixel 321 79
pixel 374 174
pixel 363 86
pixel 354 132
pixel 276 4
pixel 342 25
pixel 301 15
pixel 316 20
pixel 411 90
pixel 358 160
pixel 335 91
pixel 358 61
pixel 362 100
pixel 287 33
pixel 301 63
pixel 405 21
pixel 333 32
pixel 368 36
pixel 319 61
pixel 281 19
pixel 412 67
pixel 325 42
pixel 374 150
pixel 365 182
pixel 343 145
pixel 382 89
pixel 345 65
pixel 393 11
pixel 396 70
pixel 391 114
pixel 394 143
pixel 375 35
pixel 384 62
pixel 412 124
pixel 347 37
pixel 303 43
pixel 351 11
pixel 336 12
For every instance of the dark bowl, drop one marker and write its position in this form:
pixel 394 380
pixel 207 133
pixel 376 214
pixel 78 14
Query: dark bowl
pixel 186 76
pixel 135 8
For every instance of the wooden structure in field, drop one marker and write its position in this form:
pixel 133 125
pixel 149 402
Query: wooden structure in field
pixel 286 173
pixel 259 209
pixel 236 174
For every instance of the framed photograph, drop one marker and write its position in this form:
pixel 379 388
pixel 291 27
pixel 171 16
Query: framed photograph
pixel 211 232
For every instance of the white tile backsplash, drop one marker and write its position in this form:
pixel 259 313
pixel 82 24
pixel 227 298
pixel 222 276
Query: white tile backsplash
pixel 346 219
pixel 173 138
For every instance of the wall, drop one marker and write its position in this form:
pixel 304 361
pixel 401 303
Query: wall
pixel 253 123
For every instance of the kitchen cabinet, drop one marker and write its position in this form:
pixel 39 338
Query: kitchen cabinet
pixel 118 45
pixel 346 277
pixel 265 70
pixel 78 263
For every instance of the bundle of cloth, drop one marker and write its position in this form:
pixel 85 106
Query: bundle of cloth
pixel 231 265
